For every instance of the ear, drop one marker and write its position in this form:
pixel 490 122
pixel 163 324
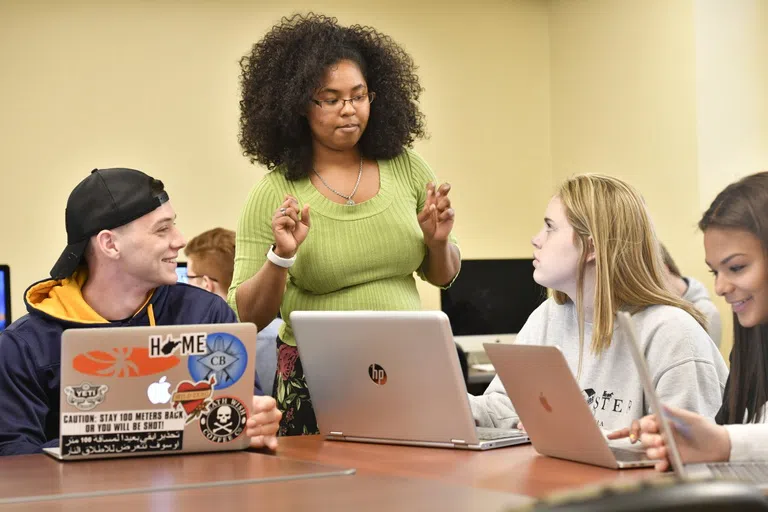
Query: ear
pixel 208 284
pixel 105 243
pixel 590 250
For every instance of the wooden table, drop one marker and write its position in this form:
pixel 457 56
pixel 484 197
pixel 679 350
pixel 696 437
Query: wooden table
pixel 516 469
pixel 386 477
pixel 235 481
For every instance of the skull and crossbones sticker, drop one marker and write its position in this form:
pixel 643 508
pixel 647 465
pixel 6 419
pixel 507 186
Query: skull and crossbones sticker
pixel 224 420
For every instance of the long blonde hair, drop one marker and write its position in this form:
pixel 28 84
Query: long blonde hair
pixel 628 264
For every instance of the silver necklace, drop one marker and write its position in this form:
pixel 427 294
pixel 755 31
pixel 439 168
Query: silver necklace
pixel 350 202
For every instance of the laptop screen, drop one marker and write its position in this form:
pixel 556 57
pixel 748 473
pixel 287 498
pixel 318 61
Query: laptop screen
pixel 181 272
pixel 491 298
pixel 5 296
pixel 628 326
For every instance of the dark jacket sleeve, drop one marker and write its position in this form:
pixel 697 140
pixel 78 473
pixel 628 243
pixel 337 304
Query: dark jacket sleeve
pixel 223 314
pixel 23 400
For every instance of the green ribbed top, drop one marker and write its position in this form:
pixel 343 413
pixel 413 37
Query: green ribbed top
pixel 360 257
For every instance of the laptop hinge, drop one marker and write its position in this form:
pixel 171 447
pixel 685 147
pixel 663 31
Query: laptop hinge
pixel 336 434
pixel 458 441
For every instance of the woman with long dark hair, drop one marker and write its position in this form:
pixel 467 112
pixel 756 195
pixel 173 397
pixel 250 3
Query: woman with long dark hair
pixel 736 244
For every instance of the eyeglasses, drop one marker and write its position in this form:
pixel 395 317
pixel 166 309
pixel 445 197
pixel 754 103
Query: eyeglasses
pixel 190 276
pixel 339 103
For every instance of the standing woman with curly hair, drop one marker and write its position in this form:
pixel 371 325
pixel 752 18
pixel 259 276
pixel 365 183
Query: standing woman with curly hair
pixel 308 114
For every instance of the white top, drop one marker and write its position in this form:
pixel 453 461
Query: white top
pixel 749 441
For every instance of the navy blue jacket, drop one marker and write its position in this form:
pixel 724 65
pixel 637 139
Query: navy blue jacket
pixel 30 351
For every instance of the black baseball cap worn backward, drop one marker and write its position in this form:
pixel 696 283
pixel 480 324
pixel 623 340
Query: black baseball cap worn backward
pixel 106 199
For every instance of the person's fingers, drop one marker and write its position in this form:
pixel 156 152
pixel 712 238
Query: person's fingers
pixel 657 453
pixel 443 190
pixel 651 440
pixel 305 219
pixel 264 418
pixel 443 204
pixel 264 422
pixel 263 403
pixel 634 431
pixel 425 212
pixel 619 434
pixel 289 204
pixel 263 430
pixel 649 424
pixel 264 441
pixel 293 214
pixel 286 223
pixel 430 200
pixel 661 466
pixel 424 216
pixel 447 215
pixel 271 442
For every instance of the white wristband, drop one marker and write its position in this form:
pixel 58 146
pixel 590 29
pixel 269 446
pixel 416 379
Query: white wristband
pixel 277 260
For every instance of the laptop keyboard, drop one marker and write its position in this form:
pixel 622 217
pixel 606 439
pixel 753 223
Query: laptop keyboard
pixel 490 434
pixel 756 472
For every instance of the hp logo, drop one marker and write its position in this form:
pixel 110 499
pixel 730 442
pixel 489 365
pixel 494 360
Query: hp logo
pixel 377 374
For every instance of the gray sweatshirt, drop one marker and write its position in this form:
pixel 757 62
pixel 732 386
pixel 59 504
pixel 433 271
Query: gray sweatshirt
pixel 698 296
pixel 685 364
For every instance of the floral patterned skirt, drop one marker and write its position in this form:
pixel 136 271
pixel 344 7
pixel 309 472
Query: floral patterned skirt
pixel 292 394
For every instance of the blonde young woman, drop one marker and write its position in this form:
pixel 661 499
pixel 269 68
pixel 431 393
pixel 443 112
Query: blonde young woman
pixel 598 253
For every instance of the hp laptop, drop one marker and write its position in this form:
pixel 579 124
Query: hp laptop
pixel 552 408
pixel 129 391
pixel 751 472
pixel 389 377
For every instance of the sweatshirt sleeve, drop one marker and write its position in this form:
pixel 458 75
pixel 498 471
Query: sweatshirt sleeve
pixel 748 442
pixel 688 370
pixel 494 408
pixel 23 401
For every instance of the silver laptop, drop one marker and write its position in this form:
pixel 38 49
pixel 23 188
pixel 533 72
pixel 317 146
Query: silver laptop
pixel 129 391
pixel 552 408
pixel 389 377
pixel 751 472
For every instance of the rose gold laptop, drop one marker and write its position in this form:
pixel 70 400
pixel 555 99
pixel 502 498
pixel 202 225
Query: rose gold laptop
pixel 552 407
pixel 129 391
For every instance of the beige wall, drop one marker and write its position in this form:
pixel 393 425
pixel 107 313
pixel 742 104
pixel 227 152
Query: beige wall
pixel 623 78
pixel 732 105
pixel 667 95
pixel 154 86
pixel 623 103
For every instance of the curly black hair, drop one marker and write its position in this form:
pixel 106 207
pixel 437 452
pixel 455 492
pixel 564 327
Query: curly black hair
pixel 283 70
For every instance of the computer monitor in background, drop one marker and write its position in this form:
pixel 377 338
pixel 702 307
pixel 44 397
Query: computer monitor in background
pixel 181 272
pixel 5 296
pixel 490 301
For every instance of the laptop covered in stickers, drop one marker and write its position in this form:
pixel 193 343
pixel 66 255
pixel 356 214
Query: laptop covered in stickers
pixel 161 390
